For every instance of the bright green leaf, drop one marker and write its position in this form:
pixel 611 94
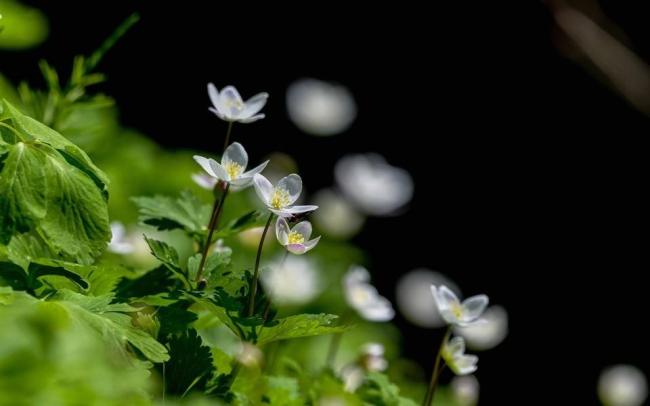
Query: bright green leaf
pixel 301 325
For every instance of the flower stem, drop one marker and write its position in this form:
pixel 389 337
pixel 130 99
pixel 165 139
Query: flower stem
pixel 428 399
pixel 214 220
pixel 227 140
pixel 253 289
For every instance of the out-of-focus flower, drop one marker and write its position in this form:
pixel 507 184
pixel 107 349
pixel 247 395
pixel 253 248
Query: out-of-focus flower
pixel 414 299
pixel 332 401
pixel 320 108
pixel 295 240
pixel 373 185
pixel 251 237
pixel 489 333
pixel 229 106
pixel 453 352
pixel 232 166
pixel 352 376
pixel 372 357
pixel 335 216
pixel 622 385
pixel 120 243
pixel 249 355
pixel 294 281
pixel 221 248
pixel 204 180
pixel 280 198
pixel 465 390
pixel 364 298
pixel 457 313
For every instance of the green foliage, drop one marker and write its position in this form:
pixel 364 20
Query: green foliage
pixel 378 390
pixel 186 213
pixel 21 26
pixel 301 325
pixel 190 366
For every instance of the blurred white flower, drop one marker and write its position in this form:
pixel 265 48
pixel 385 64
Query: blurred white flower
pixel 622 385
pixel 372 357
pixel 332 401
pixel 373 185
pixel 249 355
pixel 457 313
pixel 453 352
pixel 465 390
pixel 294 281
pixel 120 242
pixel 221 248
pixel 229 106
pixel 320 108
pixel 280 198
pixel 364 298
pixel 335 216
pixel 488 334
pixel 352 376
pixel 295 240
pixel 414 299
pixel 204 180
pixel 232 166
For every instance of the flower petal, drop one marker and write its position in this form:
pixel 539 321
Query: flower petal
pixel 311 243
pixel 293 185
pixel 455 347
pixel 204 180
pixel 474 307
pixel 379 310
pixel 259 168
pixel 297 249
pixel 251 119
pixel 299 209
pixel 235 153
pixel 254 105
pixel 465 364
pixel 231 102
pixel 282 231
pixel 219 170
pixel 205 164
pixel 219 114
pixel 213 92
pixel 263 188
pixel 303 228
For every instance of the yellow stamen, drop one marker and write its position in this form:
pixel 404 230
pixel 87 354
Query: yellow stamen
pixel 233 169
pixel 280 198
pixel 456 309
pixel 296 238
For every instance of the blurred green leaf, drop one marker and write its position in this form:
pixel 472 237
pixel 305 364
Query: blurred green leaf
pixel 301 325
pixel 21 26
pixel 378 390
pixel 166 213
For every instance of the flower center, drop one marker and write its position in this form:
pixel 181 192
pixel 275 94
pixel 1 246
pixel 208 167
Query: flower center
pixel 234 104
pixel 457 310
pixel 233 169
pixel 280 198
pixel 296 238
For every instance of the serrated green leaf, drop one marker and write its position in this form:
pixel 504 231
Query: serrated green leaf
pixel 167 254
pixel 301 325
pixel 175 318
pixel 157 281
pixel 190 364
pixel 167 213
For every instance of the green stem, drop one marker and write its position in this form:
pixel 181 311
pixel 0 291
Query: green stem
pixel 428 399
pixel 253 289
pixel 214 220
pixel 227 140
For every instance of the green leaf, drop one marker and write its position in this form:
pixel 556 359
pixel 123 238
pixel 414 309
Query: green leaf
pixel 167 213
pixel 301 325
pixel 6 295
pixel 214 265
pixel 378 390
pixel 166 254
pixel 157 281
pixel 21 26
pixel 282 391
pixel 29 279
pixel 175 318
pixel 190 366
pixel 249 220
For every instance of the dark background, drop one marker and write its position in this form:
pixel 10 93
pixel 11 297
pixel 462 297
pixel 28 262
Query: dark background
pixel 530 174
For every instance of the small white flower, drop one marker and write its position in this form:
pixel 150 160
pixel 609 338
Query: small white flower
pixel 352 376
pixel 204 180
pixel 295 240
pixel 414 299
pixel 293 282
pixel 364 298
pixel 232 166
pixel 336 217
pixel 453 352
pixel 229 106
pixel 249 355
pixel 457 313
pixel 372 358
pixel 465 390
pixel 120 242
pixel 622 385
pixel 281 197
pixel 488 334
pixel 373 185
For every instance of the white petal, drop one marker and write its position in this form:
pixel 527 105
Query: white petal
pixel 281 212
pixel 474 307
pixel 282 231
pixel 235 153
pixel 213 92
pixel 230 101
pixel 204 180
pixel 297 249
pixel 254 105
pixel 299 209
pixel 456 346
pixel 205 164
pixel 251 119
pixel 293 185
pixel 447 297
pixel 259 168
pixel 219 170
pixel 379 310
pixel 311 243
pixel 263 188
pixel 303 228
pixel 241 183
pixel 465 364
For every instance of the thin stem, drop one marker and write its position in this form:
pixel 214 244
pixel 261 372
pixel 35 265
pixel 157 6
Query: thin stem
pixel 428 399
pixel 253 289
pixel 227 140
pixel 214 220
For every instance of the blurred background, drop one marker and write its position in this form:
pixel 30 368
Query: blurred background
pixel 519 125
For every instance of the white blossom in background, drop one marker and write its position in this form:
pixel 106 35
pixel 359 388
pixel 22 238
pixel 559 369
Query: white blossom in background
pixel 372 357
pixel 336 217
pixel 232 166
pixel 453 311
pixel 453 352
pixel 622 385
pixel 373 185
pixel 249 355
pixel 280 198
pixel 352 376
pixel 465 390
pixel 120 241
pixel 414 299
pixel 295 240
pixel 229 106
pixel 320 108
pixel 293 281
pixel 364 298
pixel 204 180
pixel 488 334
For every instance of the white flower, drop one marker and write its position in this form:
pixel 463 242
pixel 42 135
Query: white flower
pixel 489 333
pixel 373 185
pixel 453 352
pixel 293 282
pixel 465 390
pixel 622 385
pixel 249 355
pixel 229 106
pixel 455 312
pixel 204 180
pixel 232 166
pixel 280 198
pixel 295 240
pixel 336 217
pixel 414 299
pixel 363 297
pixel 352 376
pixel 372 357
pixel 320 108
pixel 120 242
